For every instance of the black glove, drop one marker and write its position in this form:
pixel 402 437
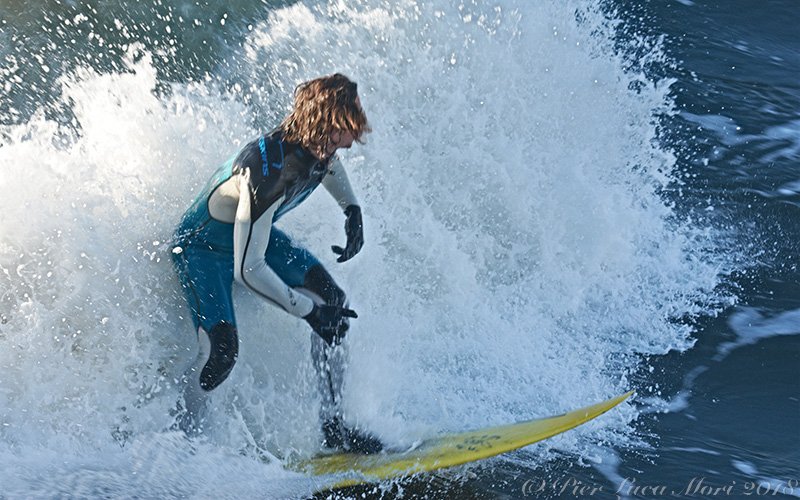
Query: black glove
pixel 330 322
pixel 354 229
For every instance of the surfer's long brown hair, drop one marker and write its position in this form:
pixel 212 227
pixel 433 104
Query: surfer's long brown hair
pixel 322 106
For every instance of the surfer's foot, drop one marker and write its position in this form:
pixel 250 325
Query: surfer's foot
pixel 340 437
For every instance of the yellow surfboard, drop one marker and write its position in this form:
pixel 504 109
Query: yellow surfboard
pixel 448 450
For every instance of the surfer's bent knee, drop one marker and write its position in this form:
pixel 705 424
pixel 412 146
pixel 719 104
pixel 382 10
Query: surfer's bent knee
pixel 320 282
pixel 223 351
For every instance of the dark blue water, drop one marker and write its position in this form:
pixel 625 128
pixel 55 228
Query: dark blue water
pixel 718 420
pixel 738 133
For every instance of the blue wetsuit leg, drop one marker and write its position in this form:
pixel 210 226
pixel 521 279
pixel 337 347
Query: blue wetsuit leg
pixel 289 261
pixel 206 275
pixel 206 278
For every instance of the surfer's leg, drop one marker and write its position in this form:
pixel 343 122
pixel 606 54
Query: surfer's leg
pixel 206 279
pixel 298 268
pixel 329 364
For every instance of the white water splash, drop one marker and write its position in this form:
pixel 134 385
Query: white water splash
pixel 518 254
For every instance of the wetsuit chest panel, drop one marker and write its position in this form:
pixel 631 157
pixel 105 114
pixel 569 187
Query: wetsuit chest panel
pixel 301 188
pixel 278 169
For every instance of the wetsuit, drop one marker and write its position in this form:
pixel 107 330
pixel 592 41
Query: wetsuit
pixel 228 234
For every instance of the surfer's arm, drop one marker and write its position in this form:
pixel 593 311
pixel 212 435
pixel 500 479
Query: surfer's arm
pixel 251 232
pixel 338 185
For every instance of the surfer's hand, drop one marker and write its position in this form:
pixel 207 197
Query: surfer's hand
pixel 330 322
pixel 354 229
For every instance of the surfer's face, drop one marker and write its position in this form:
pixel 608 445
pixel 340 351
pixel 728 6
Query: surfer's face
pixel 341 139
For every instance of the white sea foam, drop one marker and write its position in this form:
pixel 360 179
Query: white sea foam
pixel 751 326
pixel 518 254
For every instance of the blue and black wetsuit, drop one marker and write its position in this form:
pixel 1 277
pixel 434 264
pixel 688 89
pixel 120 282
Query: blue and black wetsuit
pixel 228 234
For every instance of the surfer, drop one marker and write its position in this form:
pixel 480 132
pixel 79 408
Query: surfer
pixel 228 234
